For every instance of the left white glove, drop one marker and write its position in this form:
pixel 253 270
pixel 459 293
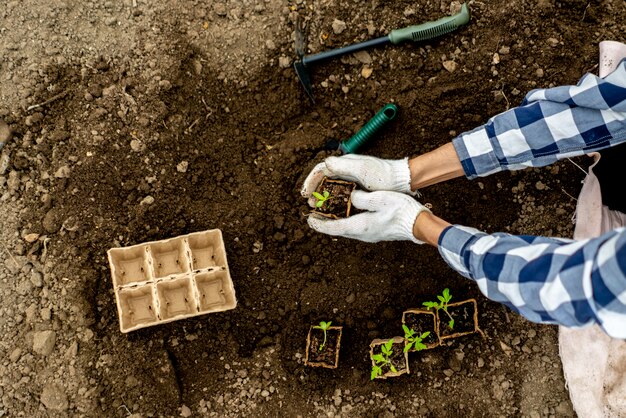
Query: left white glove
pixel 390 217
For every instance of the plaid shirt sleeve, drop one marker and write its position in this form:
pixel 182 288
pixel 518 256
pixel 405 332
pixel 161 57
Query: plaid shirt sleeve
pixel 547 280
pixel 551 124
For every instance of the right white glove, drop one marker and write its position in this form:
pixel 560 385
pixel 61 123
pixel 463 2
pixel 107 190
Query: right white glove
pixel 390 216
pixel 369 172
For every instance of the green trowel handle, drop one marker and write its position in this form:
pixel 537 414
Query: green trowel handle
pixel 431 30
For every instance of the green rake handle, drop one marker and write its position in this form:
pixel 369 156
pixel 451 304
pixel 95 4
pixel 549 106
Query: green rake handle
pixel 431 30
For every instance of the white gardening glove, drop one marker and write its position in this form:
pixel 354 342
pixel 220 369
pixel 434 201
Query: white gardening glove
pixel 390 217
pixel 369 172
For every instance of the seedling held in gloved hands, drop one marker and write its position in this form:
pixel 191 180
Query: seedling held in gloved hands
pixel 333 198
pixel 321 198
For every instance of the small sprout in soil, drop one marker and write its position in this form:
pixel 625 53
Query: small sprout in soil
pixel 382 359
pixel 321 198
pixel 444 299
pixel 413 340
pixel 324 327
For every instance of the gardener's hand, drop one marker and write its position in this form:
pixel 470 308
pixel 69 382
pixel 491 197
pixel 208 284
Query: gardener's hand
pixel 390 216
pixel 369 172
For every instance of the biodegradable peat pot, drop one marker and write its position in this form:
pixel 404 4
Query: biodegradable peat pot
pixel 339 202
pixel 465 315
pixel 329 356
pixel 420 321
pixel 398 358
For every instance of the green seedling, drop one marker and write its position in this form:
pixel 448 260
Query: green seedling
pixel 321 198
pixel 382 359
pixel 324 327
pixel 444 299
pixel 413 340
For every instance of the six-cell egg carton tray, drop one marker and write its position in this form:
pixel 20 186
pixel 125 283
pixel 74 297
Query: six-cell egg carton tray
pixel 163 281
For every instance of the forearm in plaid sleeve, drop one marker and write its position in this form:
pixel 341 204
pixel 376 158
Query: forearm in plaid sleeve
pixel 547 280
pixel 551 124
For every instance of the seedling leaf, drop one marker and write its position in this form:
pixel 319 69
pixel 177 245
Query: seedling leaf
pixel 321 198
pixel 407 331
pixel 376 371
pixel 324 327
pixel 393 369
pixel 378 358
pixel 407 347
pixel 430 305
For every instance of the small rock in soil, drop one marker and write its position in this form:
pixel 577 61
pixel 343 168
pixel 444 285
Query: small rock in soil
pixel 185 411
pixel 182 167
pixel 63 172
pixel 351 298
pixel 53 397
pixel 366 72
pixel 339 26
pixel 220 9
pixel 30 238
pixel 136 145
pixel 5 133
pixel 43 342
pixel 364 57
pixel 13 183
pixel 284 62
pixel 52 221
pixel 36 278
pixel 15 355
pixel 450 66
pixel 148 200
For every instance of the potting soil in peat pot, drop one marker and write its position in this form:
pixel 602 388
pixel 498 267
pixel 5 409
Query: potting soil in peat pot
pixel 338 203
pixel 328 356
pixel 422 321
pixel 465 317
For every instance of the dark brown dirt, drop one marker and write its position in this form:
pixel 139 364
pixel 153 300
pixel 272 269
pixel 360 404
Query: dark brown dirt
pixel 152 158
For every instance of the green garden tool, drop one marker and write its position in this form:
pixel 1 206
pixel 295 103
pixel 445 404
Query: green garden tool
pixel 414 33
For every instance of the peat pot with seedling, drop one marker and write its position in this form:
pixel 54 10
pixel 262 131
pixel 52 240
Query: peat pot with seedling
pixel 322 345
pixel 454 319
pixel 389 358
pixel 333 198
pixel 420 322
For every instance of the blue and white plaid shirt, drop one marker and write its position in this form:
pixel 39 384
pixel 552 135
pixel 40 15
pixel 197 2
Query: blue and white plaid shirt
pixel 548 280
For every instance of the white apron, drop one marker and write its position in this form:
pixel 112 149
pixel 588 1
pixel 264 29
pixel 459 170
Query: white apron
pixel 594 364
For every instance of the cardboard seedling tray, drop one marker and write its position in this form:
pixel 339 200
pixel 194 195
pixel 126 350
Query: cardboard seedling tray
pixel 162 281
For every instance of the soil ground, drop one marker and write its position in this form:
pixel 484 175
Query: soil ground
pixel 166 117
